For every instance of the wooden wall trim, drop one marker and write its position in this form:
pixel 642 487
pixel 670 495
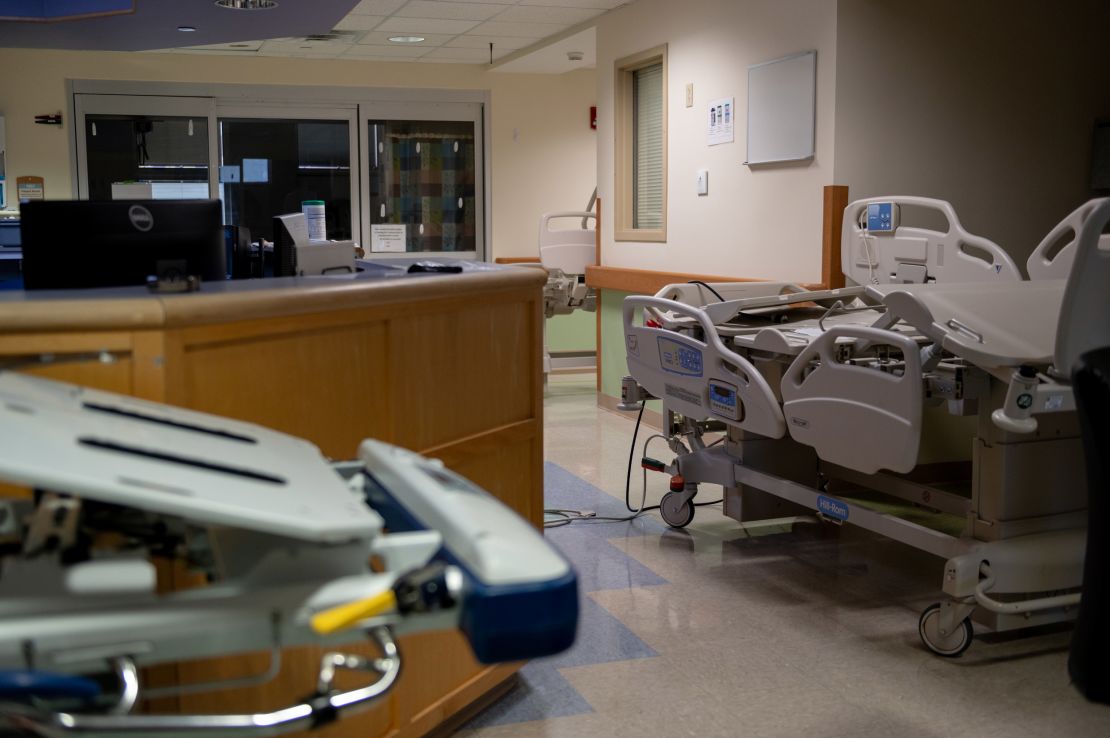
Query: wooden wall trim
pixel 517 260
pixel 643 281
pixel 597 310
pixel 648 282
pixel 832 223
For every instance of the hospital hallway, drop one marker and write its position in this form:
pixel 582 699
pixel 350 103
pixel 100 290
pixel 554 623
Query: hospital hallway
pixel 719 631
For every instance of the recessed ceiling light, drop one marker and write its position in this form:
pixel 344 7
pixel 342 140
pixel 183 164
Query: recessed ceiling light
pixel 406 39
pixel 186 29
pixel 246 4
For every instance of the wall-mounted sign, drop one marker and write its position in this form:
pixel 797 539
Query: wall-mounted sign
pixel 30 188
pixel 388 238
pixel 721 121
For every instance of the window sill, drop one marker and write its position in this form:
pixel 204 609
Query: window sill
pixel 636 234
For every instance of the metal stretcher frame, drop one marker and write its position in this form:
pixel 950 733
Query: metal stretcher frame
pixel 909 345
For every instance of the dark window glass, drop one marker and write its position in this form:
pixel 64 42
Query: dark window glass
pixel 171 153
pixel 269 167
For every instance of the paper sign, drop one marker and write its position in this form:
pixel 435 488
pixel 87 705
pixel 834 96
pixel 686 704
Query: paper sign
pixel 721 121
pixel 30 188
pixel 230 173
pixel 387 237
pixel 256 170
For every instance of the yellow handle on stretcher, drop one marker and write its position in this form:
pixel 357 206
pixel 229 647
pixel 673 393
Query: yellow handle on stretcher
pixel 345 616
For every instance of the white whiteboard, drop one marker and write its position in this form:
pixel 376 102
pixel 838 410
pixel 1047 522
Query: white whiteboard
pixel 782 109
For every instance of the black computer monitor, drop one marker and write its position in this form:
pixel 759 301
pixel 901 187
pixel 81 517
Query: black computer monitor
pixel 72 244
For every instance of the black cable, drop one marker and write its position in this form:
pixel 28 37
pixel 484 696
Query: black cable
pixel 631 454
pixel 703 284
pixel 563 517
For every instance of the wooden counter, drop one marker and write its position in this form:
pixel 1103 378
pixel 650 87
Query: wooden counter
pixel 448 366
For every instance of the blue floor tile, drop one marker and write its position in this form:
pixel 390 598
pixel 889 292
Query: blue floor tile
pixel 542 692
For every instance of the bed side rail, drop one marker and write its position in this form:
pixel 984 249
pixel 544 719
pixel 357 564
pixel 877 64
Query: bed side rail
pixel 1052 261
pixel 877 249
pixel 863 417
pixel 700 379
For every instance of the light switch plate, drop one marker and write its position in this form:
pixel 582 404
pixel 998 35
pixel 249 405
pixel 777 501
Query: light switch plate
pixel 689 94
pixel 703 181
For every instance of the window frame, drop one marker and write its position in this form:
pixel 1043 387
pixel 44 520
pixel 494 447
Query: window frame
pixel 101 104
pixel 435 111
pixel 348 114
pixel 624 139
pixel 368 103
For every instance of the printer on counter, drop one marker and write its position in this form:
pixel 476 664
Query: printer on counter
pixel 296 255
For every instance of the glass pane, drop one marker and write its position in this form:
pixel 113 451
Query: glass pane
pixel 647 167
pixel 166 157
pixel 270 166
pixel 422 177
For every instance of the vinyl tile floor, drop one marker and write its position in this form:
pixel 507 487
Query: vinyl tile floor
pixel 774 630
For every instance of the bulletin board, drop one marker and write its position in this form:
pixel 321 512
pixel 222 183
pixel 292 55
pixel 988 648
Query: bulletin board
pixel 782 109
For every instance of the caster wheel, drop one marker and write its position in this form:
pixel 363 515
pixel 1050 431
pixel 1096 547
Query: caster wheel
pixel 676 512
pixel 949 645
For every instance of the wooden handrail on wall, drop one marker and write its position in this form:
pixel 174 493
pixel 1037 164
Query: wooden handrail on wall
pixel 647 282
pixel 517 260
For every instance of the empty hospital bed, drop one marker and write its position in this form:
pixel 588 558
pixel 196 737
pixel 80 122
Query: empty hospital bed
pixel 824 398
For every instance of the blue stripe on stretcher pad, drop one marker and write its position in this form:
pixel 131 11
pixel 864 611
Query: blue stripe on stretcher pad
pixel 501 622
pixel 22 685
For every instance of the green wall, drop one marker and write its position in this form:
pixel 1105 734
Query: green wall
pixel 574 332
pixel 614 364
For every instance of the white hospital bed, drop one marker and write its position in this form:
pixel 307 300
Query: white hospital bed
pixel 823 398
pixel 567 245
pixel 285 539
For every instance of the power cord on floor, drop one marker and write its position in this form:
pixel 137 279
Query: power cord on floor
pixel 566 517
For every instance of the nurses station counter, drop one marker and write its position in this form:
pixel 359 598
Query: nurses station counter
pixel 445 365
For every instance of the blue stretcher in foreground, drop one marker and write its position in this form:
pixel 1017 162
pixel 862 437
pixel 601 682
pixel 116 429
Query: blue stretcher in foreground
pixel 285 538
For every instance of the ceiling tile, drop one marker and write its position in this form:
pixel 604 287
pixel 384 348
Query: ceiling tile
pixel 522 30
pixel 454 11
pixel 547 14
pixel 599 4
pixel 502 43
pixel 381 38
pixel 359 22
pixel 426 25
pixel 296 49
pixel 378 7
pixel 474 56
pixel 393 51
pixel 488 2
pixel 235 46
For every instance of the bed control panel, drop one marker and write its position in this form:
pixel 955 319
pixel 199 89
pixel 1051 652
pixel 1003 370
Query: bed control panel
pixel 882 217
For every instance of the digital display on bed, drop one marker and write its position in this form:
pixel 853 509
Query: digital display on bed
pixel 723 401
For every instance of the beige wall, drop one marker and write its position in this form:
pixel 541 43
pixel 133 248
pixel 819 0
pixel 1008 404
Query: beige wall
pixel 987 104
pixel 762 222
pixel 543 151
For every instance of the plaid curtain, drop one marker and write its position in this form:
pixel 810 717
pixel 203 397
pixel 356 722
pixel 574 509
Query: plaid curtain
pixel 432 185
